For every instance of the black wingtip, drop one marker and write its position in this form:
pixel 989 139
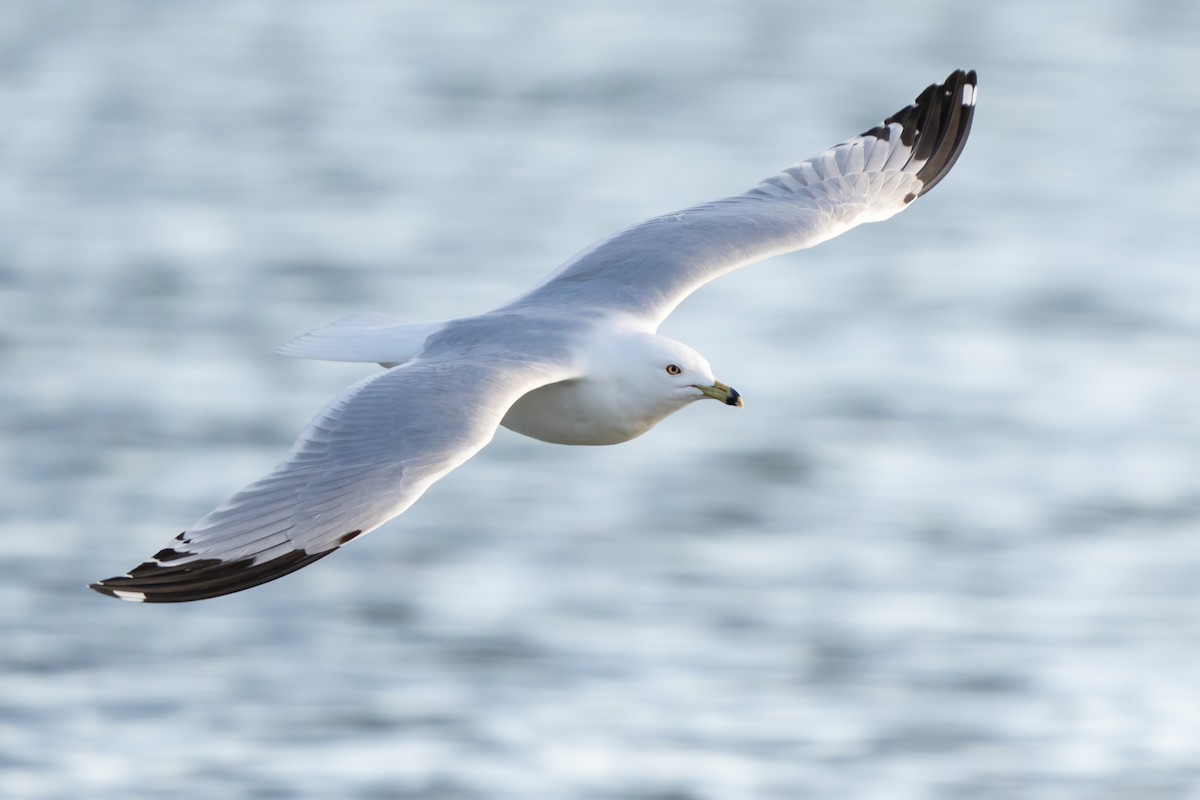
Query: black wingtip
pixel 952 126
pixel 154 582
pixel 936 125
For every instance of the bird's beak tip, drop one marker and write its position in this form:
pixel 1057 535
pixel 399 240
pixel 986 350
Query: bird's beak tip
pixel 726 394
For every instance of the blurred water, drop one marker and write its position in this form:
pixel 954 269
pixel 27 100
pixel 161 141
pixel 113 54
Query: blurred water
pixel 948 550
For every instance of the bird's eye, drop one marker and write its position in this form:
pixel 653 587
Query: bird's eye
pixel 673 369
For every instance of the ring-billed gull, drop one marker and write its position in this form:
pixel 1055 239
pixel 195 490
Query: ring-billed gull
pixel 574 361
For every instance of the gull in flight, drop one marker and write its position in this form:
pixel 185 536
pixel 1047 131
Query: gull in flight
pixel 576 360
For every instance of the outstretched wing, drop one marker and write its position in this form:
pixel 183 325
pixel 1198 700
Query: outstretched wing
pixel 364 459
pixel 648 269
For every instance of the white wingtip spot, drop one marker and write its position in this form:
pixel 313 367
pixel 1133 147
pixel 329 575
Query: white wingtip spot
pixel 133 597
pixel 969 94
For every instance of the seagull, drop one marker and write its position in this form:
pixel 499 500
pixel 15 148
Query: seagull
pixel 576 360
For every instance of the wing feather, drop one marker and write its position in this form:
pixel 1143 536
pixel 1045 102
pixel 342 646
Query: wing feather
pixel 648 269
pixel 365 458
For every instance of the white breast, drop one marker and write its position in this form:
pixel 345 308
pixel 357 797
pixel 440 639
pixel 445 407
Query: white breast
pixel 582 412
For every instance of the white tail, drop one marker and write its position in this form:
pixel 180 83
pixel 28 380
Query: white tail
pixel 366 336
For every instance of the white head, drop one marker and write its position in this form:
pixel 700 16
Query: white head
pixel 641 378
pixel 669 371
pixel 632 381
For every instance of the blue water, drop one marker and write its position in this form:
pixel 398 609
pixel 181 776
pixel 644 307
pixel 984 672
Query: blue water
pixel 949 549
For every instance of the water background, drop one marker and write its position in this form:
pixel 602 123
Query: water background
pixel 950 548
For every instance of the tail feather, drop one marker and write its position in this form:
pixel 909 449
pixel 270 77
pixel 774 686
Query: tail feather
pixel 366 336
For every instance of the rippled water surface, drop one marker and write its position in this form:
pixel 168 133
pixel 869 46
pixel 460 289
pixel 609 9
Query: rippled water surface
pixel 949 549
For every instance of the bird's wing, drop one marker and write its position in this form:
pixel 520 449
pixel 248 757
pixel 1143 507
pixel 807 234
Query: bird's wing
pixel 648 269
pixel 364 459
